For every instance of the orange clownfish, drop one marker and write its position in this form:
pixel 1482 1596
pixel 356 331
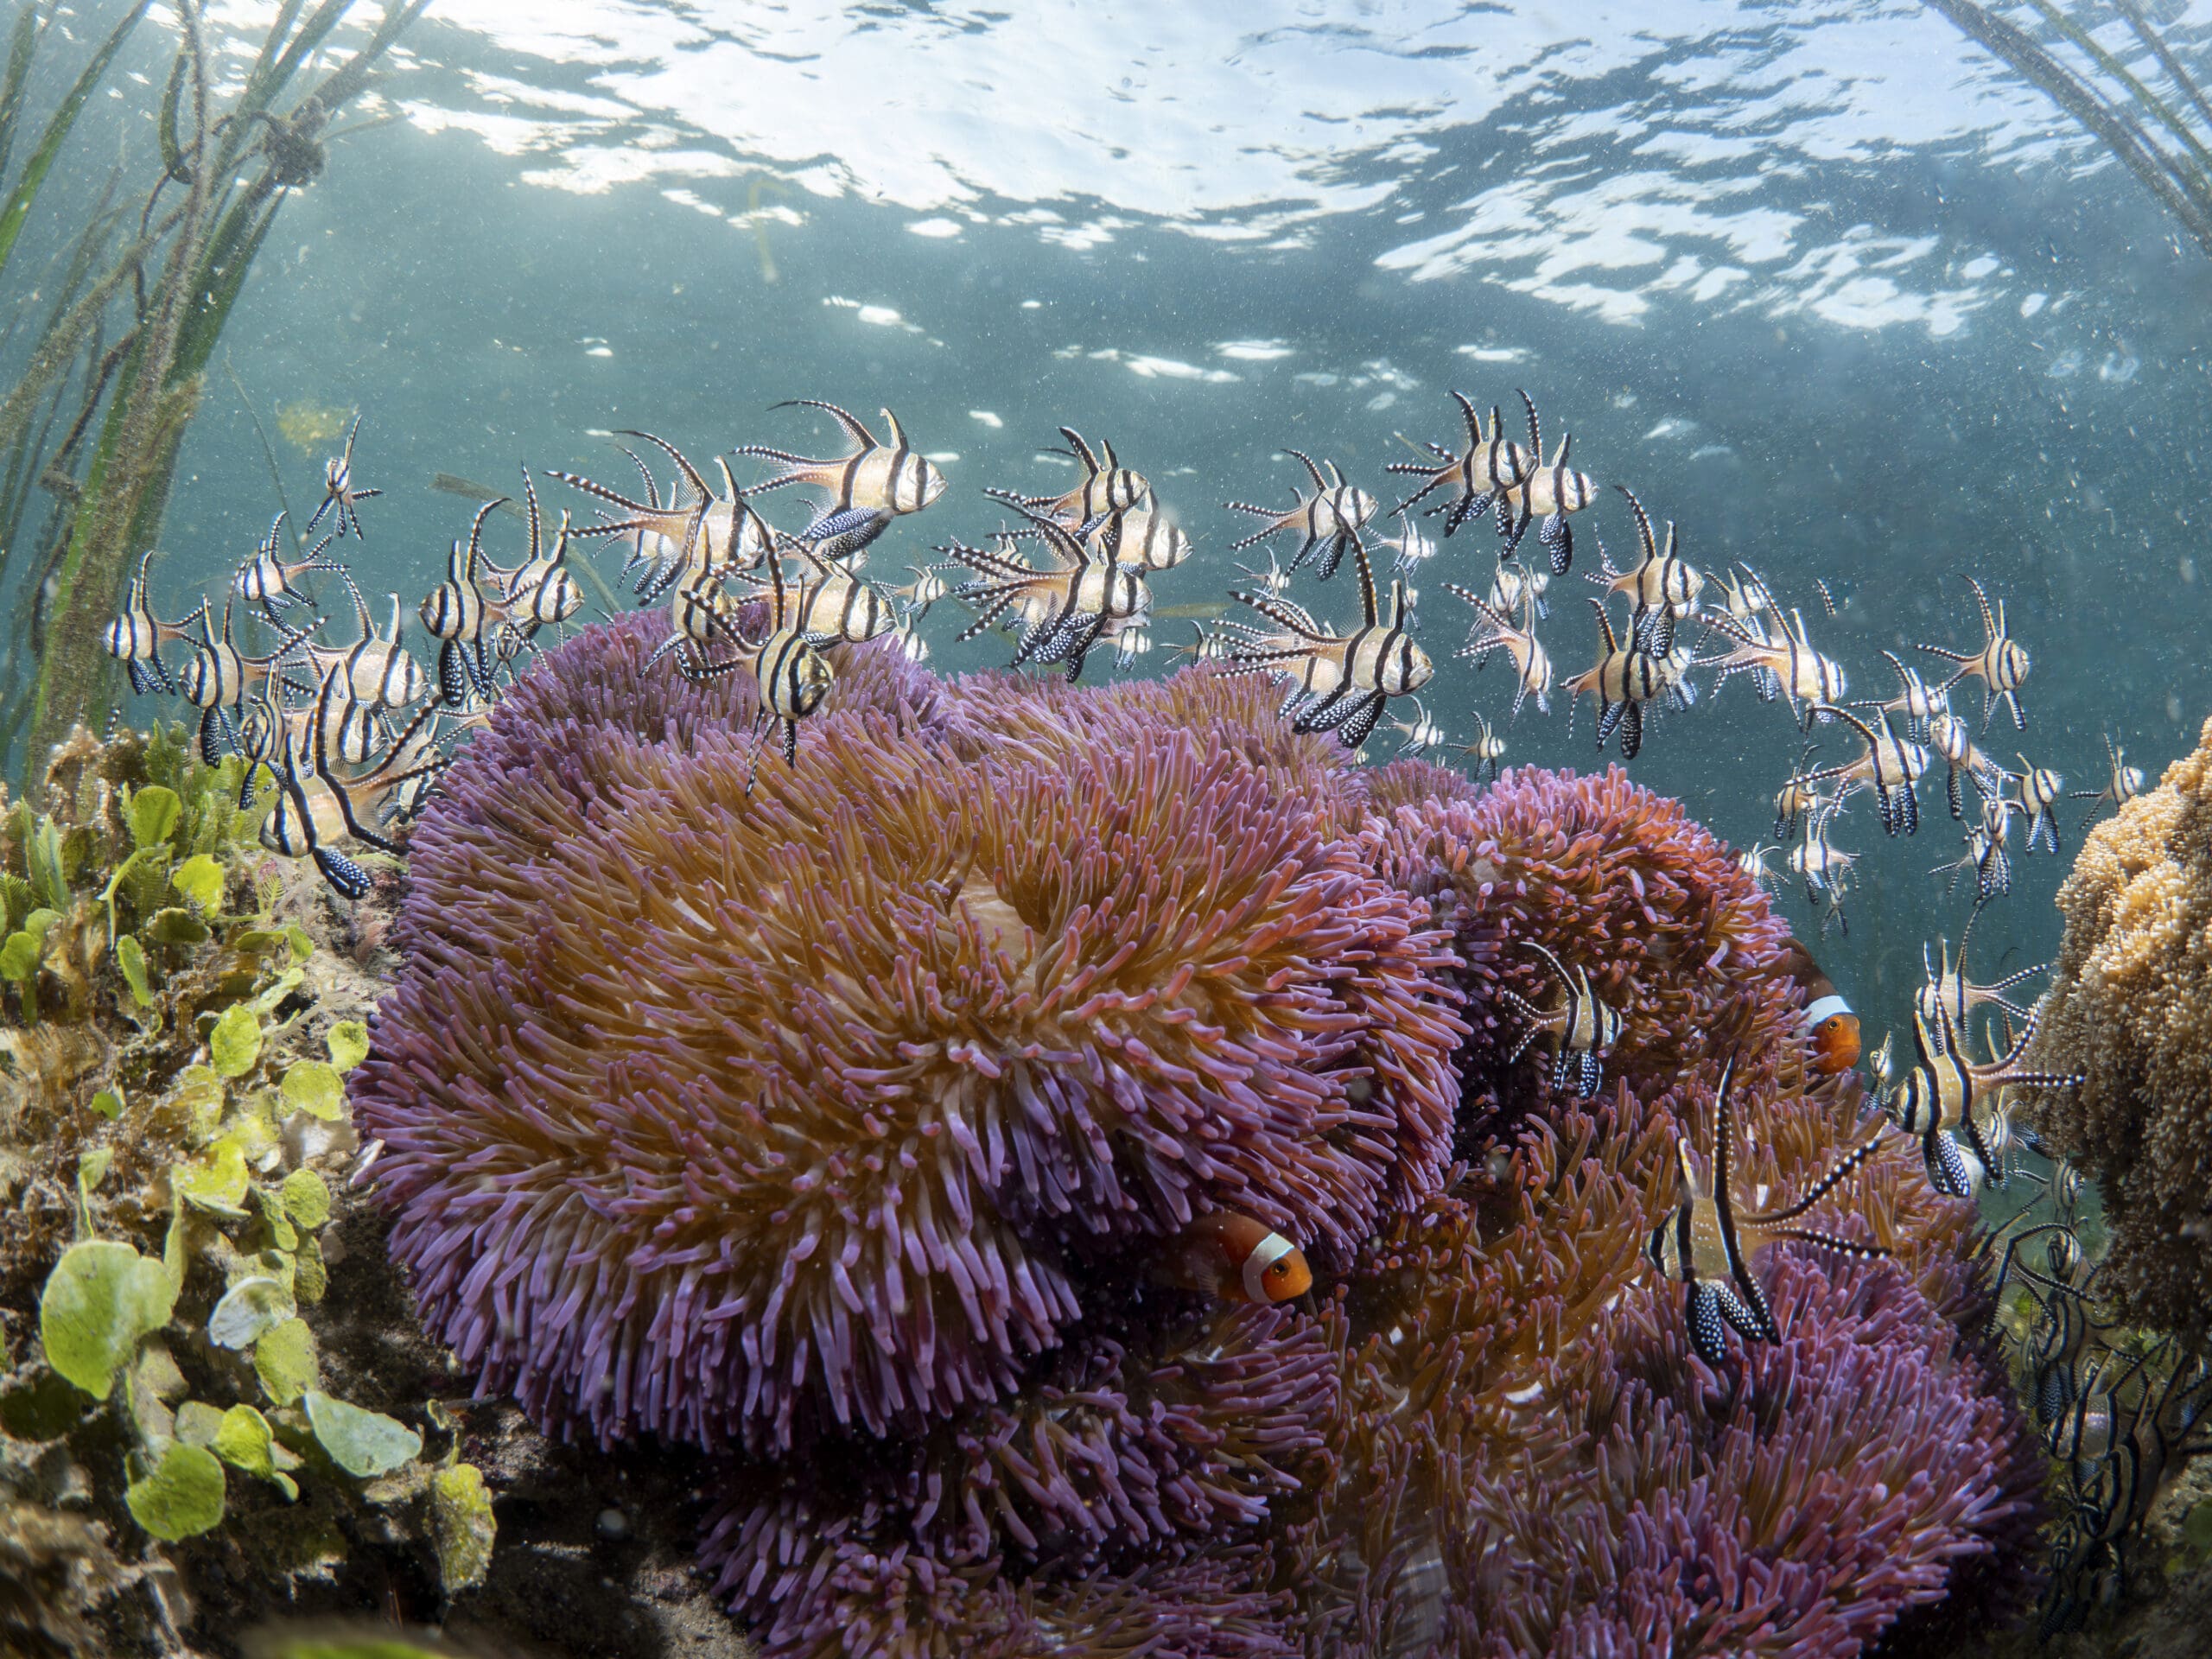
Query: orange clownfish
pixel 1831 1024
pixel 1232 1257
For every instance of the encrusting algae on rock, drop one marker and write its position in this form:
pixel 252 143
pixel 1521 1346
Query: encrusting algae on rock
pixel 2130 1008
pixel 835 1128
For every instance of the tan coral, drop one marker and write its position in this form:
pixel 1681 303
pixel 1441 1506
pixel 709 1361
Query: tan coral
pixel 2131 1008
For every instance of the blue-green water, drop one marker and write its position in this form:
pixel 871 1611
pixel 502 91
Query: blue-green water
pixel 1831 291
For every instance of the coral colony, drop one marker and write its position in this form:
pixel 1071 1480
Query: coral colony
pixel 849 1126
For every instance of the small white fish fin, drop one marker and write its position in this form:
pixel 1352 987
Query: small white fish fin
pixel 468 563
pixel 640 511
pixel 1311 471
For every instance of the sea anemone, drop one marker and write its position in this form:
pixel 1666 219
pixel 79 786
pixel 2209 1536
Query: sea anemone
pixel 741 1114
pixel 1609 877
pixel 839 1120
pixel 1153 1455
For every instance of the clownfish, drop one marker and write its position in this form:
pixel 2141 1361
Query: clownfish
pixel 1831 1024
pixel 1232 1257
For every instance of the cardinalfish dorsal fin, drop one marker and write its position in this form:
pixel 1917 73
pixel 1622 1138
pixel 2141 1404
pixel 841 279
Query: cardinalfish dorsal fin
pixel 1642 524
pixel 360 608
pixel 853 429
pixel 692 491
pixel 1472 421
pixel 532 518
pixel 1536 431
pixel 1083 450
pixel 473 558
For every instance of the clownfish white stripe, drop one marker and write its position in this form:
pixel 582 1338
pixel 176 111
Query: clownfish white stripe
pixel 1269 1251
pixel 1827 1008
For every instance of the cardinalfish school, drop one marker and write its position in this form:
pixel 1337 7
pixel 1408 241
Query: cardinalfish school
pixel 346 737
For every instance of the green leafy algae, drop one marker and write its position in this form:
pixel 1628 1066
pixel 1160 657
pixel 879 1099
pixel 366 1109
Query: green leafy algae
pixel 182 1496
pixel 102 1299
pixel 363 1443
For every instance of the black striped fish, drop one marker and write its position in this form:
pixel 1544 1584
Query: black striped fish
pixel 2034 792
pixel 1914 700
pixel 1987 855
pixel 1142 534
pixel 267 578
pixel 1330 517
pixel 319 806
pixel 701 616
pixel 1779 657
pixel 1745 600
pixel 220 677
pixel 1065 609
pixel 829 605
pixel 791 678
pixel 540 593
pixel 340 491
pixel 880 480
pixel 2001 664
pixel 266 728
pixel 1824 867
pixel 377 669
pixel 2127 1431
pixel 1705 1246
pixel 1495 631
pixel 1942 1096
pixel 365 796
pixel 1107 488
pixel 1948 736
pixel 1491 464
pixel 694 532
pixel 1623 679
pixel 2123 784
pixel 1345 680
pixel 1663 587
pixel 456 614
pixel 1946 988
pixel 1889 766
pixel 1584 1028
pixel 1550 490
pixel 1487 749
pixel 135 636
pixel 1306 677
